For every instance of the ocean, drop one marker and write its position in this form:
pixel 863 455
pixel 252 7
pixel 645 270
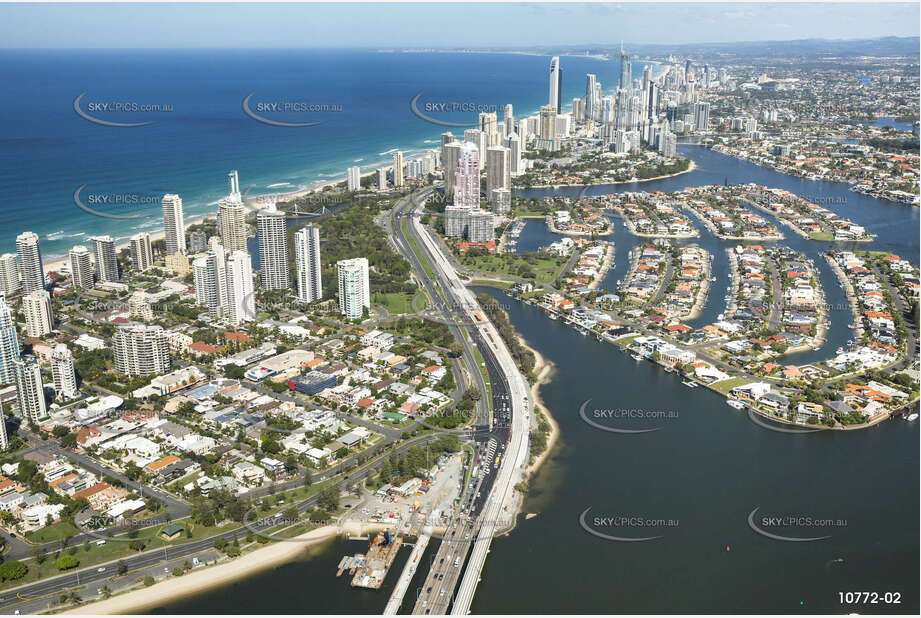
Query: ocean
pixel 199 131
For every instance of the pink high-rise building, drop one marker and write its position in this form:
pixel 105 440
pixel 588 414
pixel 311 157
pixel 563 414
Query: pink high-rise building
pixel 467 178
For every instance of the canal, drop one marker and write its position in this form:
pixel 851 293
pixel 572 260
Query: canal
pixel 693 482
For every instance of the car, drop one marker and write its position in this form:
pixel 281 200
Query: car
pixel 166 569
pixel 101 570
pixel 429 589
pixel 442 592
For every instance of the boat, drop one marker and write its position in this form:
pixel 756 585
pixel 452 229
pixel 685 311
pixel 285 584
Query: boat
pixel 552 316
pixel 637 356
pixel 913 416
pixel 738 405
pixel 689 383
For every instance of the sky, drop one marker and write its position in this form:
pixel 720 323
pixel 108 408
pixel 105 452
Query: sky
pixel 243 25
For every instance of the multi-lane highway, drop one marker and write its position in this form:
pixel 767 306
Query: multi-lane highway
pixel 509 427
pixel 442 303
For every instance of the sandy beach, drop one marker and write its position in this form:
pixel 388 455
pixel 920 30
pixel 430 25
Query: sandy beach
pixel 205 578
pixel 544 370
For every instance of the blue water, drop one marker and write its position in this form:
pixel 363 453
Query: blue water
pixel 896 226
pixel 889 121
pixel 47 151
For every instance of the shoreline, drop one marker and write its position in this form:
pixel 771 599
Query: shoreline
pixel 56 262
pixel 544 370
pixel 691 168
pixel 207 578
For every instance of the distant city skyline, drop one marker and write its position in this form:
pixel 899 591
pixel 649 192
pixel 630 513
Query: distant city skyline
pixel 441 25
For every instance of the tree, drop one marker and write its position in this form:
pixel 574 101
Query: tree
pixel 137 545
pixel 328 500
pixel 38 553
pixel 122 567
pixel 13 569
pixel 66 562
pixel 149 581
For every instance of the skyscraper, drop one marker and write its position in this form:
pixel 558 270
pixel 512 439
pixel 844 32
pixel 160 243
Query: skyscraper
pixel 498 168
pixel 467 177
pixel 140 350
pixel 232 215
pixel 489 127
pixel 556 83
pixel 210 276
pixel 81 268
pixel 141 251
pixel 30 262
pixel 478 138
pixel 353 178
pixel 307 256
pixel 398 169
pixel 9 273
pixel 381 179
pixel 30 391
pixel 273 248
pixel 9 344
pixel 173 224
pixel 449 160
pixel 62 371
pixel 591 104
pixel 626 70
pixel 514 146
pixel 36 306
pixel 702 116
pixel 354 288
pixel 508 118
pixel 241 304
pixel 548 128
pixel 106 262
